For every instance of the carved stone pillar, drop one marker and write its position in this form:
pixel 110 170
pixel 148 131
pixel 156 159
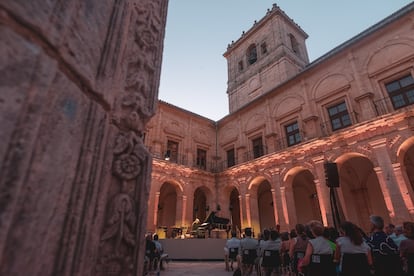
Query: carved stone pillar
pixel 184 220
pixel 385 191
pixel 284 206
pixel 405 187
pixel 156 207
pixel 323 192
pixel 243 225
pixel 322 202
pixel 278 199
pixel 82 81
pixel 275 206
pixel 393 197
pixel 248 210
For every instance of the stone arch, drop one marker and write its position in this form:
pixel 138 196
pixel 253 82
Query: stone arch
pixel 301 195
pixel 405 157
pixel 286 105
pixel 392 52
pixel 167 209
pixel 261 203
pixel 251 123
pixel 228 132
pixel 203 202
pixel 328 84
pixel 360 187
pixel 233 208
pixel 177 183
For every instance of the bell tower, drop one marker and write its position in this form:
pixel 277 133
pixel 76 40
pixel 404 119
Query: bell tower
pixel 269 53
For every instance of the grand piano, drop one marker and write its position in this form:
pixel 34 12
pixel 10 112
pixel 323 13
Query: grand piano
pixel 213 222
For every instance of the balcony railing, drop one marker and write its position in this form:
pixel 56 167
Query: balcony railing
pixel 258 152
pixel 382 107
pixel 326 127
pixel 385 106
pixel 182 159
pixel 282 142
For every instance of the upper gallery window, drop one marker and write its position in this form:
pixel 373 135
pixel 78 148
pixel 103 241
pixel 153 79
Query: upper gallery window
pixel 339 116
pixel 172 151
pixel 258 149
pixel 201 158
pixel 292 134
pixel 294 43
pixel 252 54
pixel 401 91
pixel 231 158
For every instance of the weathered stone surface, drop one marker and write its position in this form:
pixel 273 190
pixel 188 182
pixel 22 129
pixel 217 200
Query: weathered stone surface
pixel 76 76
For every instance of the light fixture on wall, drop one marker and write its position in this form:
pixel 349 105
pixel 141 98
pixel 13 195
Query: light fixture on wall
pixel 167 155
pixel 218 208
pixel 207 208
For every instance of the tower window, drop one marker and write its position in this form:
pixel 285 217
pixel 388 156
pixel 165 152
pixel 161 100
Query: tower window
pixel 263 47
pixel 252 54
pixel 294 44
pixel 241 66
pixel 339 116
pixel 401 91
pixel 292 134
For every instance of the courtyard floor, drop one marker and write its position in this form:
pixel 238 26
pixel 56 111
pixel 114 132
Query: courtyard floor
pixel 196 268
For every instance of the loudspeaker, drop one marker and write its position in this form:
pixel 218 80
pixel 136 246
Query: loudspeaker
pixel 331 175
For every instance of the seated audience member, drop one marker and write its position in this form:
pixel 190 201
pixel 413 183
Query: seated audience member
pixel 284 251
pixel 318 258
pixel 262 240
pixel 352 253
pixel 298 246
pixel 389 229
pixel 398 235
pixel 270 253
pixel 158 250
pixel 407 248
pixel 150 251
pixel 385 252
pixel 248 252
pixel 231 250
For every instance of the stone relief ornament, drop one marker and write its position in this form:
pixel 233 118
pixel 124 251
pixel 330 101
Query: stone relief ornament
pixel 130 155
pixel 119 252
pixel 121 220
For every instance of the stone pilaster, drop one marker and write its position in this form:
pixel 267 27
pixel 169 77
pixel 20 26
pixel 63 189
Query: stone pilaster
pixel 285 207
pixel 323 192
pixel 388 182
pixel 275 206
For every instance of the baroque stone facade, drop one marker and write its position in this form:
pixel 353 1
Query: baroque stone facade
pixel 79 82
pixel 263 164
